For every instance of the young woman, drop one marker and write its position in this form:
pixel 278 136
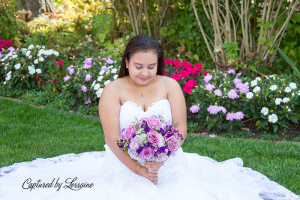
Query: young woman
pixel 140 91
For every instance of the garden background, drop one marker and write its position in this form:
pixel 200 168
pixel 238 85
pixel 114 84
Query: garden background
pixel 237 63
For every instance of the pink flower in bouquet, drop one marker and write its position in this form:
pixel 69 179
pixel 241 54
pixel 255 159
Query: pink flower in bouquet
pixel 173 143
pixel 128 132
pixel 153 137
pixel 88 77
pixel 175 76
pixel 134 144
pixel 144 118
pixel 146 153
pixel 153 122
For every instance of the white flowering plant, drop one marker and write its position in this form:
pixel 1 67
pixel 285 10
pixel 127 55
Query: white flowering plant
pixel 219 98
pixel 85 79
pixel 29 68
pixel 273 101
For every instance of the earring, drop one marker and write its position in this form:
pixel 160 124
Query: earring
pixel 127 66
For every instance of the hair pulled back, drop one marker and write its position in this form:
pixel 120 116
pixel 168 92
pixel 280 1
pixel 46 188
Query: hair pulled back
pixel 143 43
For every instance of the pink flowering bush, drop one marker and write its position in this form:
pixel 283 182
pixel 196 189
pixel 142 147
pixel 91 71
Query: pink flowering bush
pixel 219 95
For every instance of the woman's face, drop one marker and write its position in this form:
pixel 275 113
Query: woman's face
pixel 142 67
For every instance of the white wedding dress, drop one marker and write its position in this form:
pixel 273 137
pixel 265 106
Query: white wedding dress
pixel 183 176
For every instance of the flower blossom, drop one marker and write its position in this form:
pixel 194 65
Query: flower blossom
pixel 293 85
pixel 88 77
pixel 273 118
pixel 278 101
pixel 209 87
pixel 212 109
pixel 273 87
pixel 264 111
pixel 287 89
pixel 218 92
pixel 231 71
pixel 194 108
pixel 207 78
pixel 66 78
pixel 232 94
pixel 285 100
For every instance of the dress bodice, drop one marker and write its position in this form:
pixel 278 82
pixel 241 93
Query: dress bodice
pixel 130 110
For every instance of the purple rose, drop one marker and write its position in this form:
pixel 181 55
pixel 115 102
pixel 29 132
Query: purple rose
pixel 146 153
pixel 128 132
pixel 153 122
pixel 134 145
pixel 173 143
pixel 153 137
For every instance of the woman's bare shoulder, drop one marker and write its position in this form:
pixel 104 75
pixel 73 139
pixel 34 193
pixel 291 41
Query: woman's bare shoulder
pixel 114 88
pixel 169 82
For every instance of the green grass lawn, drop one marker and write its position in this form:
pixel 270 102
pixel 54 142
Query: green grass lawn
pixel 27 133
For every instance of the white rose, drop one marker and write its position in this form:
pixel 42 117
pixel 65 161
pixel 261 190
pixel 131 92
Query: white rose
pixel 264 111
pixel 116 76
pixel 256 89
pixel 273 87
pixel 161 140
pixel 273 118
pixel 293 85
pixel 278 101
pixel 38 71
pixel 41 59
pixel 36 61
pixel 285 100
pixel 249 95
pixel 287 89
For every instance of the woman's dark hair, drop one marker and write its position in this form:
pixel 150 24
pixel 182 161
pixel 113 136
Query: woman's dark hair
pixel 142 43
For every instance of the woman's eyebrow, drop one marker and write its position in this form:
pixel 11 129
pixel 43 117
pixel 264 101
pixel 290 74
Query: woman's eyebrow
pixel 141 64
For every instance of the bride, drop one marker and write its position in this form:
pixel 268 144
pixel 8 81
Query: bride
pixel 140 91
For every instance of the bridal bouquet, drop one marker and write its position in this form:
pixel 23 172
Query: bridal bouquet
pixel 150 139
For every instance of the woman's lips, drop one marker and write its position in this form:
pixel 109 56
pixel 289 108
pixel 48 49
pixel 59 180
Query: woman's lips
pixel 143 79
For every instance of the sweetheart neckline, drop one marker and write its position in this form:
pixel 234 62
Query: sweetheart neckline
pixel 141 107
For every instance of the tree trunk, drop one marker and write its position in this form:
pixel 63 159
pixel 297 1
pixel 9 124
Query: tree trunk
pixel 37 7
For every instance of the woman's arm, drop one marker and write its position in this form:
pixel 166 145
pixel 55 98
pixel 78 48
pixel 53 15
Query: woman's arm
pixel 109 110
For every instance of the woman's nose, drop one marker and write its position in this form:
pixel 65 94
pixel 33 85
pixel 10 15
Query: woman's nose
pixel 145 72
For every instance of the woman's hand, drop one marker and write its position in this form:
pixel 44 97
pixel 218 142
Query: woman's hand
pixel 153 166
pixel 151 176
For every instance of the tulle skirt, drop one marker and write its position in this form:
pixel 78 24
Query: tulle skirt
pixel 100 175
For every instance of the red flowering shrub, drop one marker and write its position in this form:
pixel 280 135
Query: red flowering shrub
pixel 6 44
pixel 184 72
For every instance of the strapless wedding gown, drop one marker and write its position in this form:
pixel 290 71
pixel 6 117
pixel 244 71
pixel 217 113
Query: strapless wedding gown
pixel 102 176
